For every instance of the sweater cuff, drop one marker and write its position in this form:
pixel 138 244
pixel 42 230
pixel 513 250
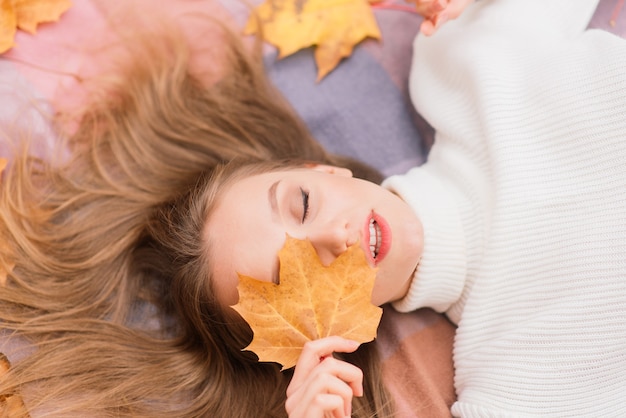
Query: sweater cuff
pixel 440 276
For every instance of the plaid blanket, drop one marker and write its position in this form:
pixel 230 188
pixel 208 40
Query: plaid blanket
pixel 361 109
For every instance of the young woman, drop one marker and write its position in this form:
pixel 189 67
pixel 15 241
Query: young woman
pixel 515 227
pixel 493 230
pixel 111 304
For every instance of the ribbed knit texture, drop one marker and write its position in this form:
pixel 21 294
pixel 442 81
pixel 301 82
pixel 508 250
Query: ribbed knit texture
pixel 523 201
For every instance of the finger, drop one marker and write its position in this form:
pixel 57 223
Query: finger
pixel 456 7
pixel 453 10
pixel 432 24
pixel 334 386
pixel 427 27
pixel 331 376
pixel 325 403
pixel 429 7
pixel 310 397
pixel 315 351
pixel 345 372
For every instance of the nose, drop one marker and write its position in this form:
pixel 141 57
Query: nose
pixel 330 240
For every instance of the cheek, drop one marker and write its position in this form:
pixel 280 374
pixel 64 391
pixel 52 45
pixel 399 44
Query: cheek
pixel 259 256
pixel 253 254
pixel 224 283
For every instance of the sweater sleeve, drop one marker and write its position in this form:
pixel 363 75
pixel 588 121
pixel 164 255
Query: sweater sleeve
pixel 444 62
pixel 542 330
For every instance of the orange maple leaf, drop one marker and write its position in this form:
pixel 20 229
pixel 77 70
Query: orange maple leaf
pixel 333 26
pixel 312 301
pixel 26 15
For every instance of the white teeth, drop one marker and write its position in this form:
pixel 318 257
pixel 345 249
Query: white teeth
pixel 374 238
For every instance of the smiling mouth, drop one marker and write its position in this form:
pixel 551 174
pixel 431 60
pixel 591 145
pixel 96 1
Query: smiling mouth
pixel 379 238
pixel 375 238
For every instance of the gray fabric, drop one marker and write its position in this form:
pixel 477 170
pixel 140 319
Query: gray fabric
pixel 356 110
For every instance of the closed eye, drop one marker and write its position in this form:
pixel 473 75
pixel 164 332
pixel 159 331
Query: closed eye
pixel 305 204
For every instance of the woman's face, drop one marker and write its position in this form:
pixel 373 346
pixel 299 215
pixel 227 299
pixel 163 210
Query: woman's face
pixel 324 204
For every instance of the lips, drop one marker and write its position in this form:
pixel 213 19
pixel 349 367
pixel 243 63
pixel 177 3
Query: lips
pixel 377 238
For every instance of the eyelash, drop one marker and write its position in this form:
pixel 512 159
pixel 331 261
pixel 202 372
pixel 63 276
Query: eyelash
pixel 305 204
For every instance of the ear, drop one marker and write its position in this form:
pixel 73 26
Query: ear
pixel 331 169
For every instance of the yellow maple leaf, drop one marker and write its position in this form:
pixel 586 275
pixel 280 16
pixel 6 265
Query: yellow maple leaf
pixel 312 301
pixel 333 26
pixel 8 25
pixel 30 13
pixel 26 15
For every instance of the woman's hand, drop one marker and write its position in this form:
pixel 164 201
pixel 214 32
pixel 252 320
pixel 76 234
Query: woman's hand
pixel 323 385
pixel 438 12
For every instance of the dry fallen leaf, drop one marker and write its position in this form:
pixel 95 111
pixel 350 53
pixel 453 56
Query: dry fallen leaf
pixel 312 301
pixel 26 15
pixel 8 25
pixel 333 26
pixel 30 13
pixel 11 405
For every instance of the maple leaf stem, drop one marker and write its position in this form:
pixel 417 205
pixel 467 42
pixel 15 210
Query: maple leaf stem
pixel 43 69
pixel 392 6
pixel 616 11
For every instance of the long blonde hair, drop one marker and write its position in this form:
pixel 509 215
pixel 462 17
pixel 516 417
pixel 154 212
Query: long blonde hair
pixel 108 295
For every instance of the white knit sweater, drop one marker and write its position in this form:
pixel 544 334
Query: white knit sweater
pixel 523 201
